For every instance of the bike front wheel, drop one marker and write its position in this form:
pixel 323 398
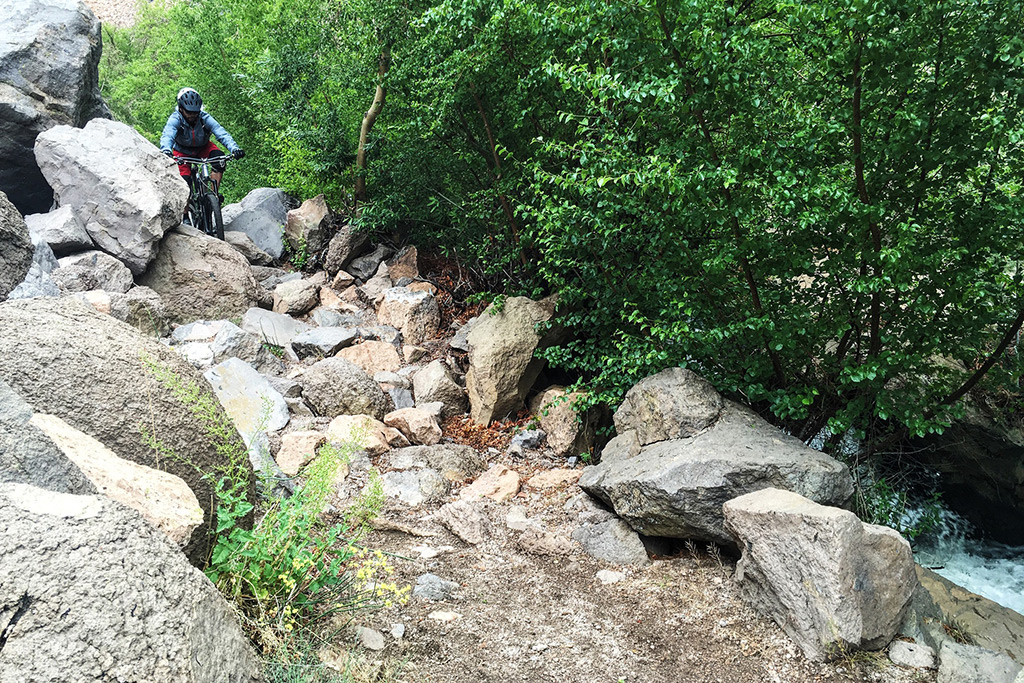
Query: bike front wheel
pixel 213 219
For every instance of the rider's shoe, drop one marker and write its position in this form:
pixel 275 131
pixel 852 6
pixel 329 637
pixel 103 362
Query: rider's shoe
pixel 186 221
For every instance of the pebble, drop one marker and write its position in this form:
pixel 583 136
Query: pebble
pixel 369 638
pixel 397 631
pixel 607 576
pixel 444 616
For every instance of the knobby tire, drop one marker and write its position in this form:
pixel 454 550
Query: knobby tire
pixel 213 219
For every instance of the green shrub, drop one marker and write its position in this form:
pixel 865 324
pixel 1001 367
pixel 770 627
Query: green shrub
pixel 291 569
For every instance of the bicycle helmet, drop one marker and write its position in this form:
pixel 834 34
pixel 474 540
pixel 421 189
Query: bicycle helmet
pixel 189 100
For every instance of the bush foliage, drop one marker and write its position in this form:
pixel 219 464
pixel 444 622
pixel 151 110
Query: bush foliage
pixel 817 205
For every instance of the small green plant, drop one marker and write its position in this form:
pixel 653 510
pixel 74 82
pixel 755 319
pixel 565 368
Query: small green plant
pixel 291 569
pixel 879 502
pixel 274 349
pixel 495 302
pixel 298 254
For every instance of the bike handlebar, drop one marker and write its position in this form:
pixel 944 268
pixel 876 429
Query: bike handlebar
pixel 210 160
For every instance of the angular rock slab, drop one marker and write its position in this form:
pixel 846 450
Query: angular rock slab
pixel 972 664
pixel 673 404
pixel 831 582
pixel 502 366
pixel 248 398
pixel 61 229
pixel 262 215
pixel 163 500
pixel 38 280
pixel 66 359
pixel 334 386
pixel 90 270
pixel 100 595
pixel 676 488
pixel 29 456
pixel 16 248
pixel 49 61
pixel 416 314
pixel 121 188
pixel 276 329
pixel 435 382
pixel 200 277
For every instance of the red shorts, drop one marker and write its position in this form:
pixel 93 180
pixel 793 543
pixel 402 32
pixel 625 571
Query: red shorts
pixel 211 150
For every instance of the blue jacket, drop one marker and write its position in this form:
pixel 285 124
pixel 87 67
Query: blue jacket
pixel 188 139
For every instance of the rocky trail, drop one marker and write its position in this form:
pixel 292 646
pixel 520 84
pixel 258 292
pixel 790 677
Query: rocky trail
pixel 699 544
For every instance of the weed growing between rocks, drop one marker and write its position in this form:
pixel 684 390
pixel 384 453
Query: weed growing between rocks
pixel 290 573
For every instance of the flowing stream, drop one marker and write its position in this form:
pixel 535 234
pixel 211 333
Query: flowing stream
pixel 990 569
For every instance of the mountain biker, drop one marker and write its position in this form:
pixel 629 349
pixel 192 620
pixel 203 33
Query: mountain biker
pixel 187 133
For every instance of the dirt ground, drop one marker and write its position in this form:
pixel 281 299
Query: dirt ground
pixel 523 617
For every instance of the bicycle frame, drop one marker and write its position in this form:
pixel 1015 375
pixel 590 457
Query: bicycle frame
pixel 203 206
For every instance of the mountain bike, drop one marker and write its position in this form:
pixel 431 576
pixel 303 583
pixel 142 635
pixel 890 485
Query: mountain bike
pixel 203 208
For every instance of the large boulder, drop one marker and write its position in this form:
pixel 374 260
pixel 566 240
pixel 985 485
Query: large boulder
pixel 66 359
pixel 676 488
pixel 833 583
pixel 49 59
pixel 140 307
pixel 672 404
pixel 122 189
pixel 335 386
pixel 91 270
pixel 16 249
pixel 199 276
pixel 29 456
pixel 91 592
pixel 262 215
pixel 502 366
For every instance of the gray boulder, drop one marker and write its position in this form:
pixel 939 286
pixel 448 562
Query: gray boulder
pixel 673 404
pixel 262 215
pixel 343 247
pixel 100 595
pixel 244 245
pixel 323 342
pixel 199 276
pixel 66 359
pixel 49 59
pixel 140 307
pixel 249 399
pixel 676 488
pixel 91 270
pixel 365 267
pixel 29 456
pixel 125 212
pixel 502 366
pixel 416 314
pixel 38 281
pixel 276 329
pixel 16 249
pixel 612 541
pixel 831 582
pixel 61 229
pixel 455 462
pixel 231 341
pixel 335 386
pixel 972 664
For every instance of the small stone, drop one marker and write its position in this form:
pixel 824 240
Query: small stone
pixel 554 479
pixel 516 519
pixel 499 483
pixel 297 449
pixel 398 631
pixel 913 655
pixel 607 576
pixel 369 638
pixel 444 616
pixel 537 542
pixel 432 587
pixel 466 520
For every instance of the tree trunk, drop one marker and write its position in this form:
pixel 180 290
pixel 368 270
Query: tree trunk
pixel 364 130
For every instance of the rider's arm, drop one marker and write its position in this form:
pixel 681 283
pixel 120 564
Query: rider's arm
pixel 218 130
pixel 170 130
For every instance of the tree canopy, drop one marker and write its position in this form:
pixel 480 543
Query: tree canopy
pixel 817 205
